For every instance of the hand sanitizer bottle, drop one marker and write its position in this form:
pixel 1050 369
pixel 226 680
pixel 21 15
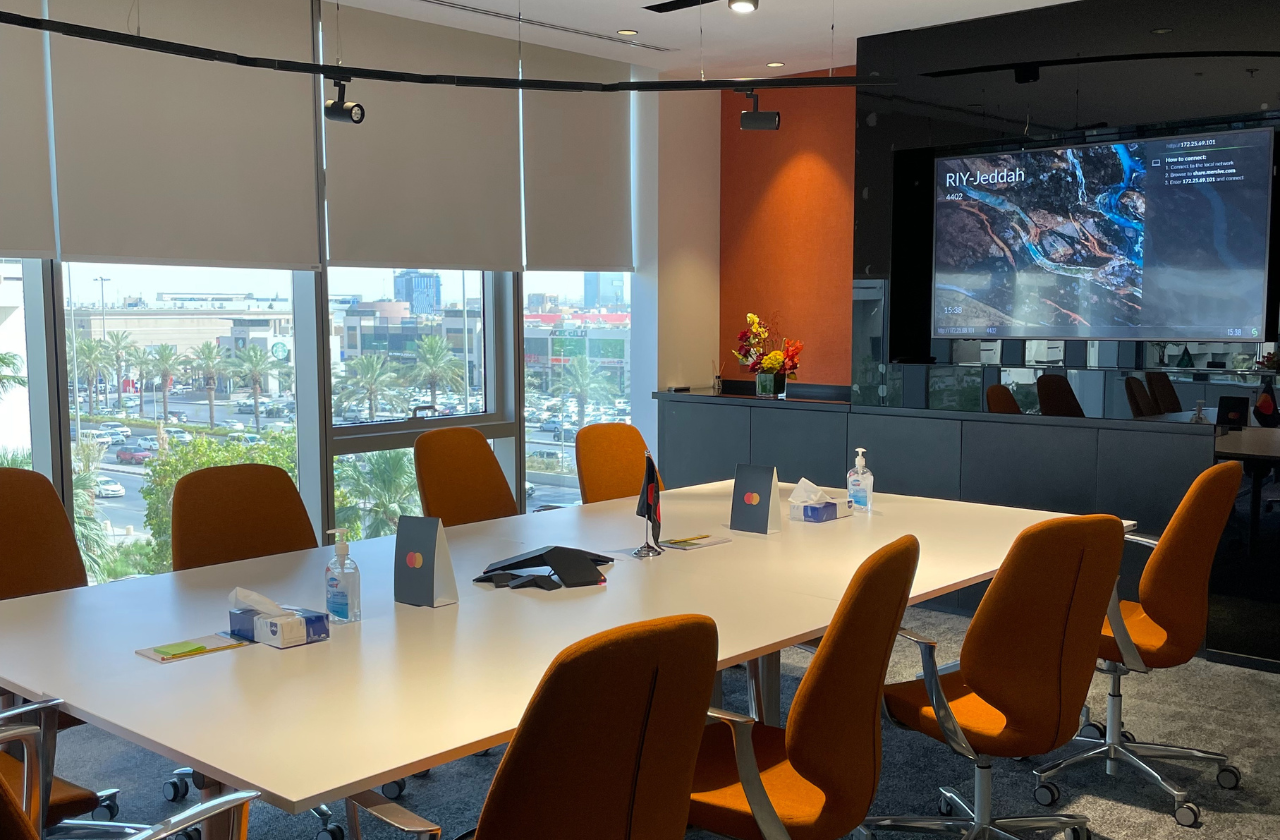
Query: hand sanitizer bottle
pixel 860 481
pixel 342 582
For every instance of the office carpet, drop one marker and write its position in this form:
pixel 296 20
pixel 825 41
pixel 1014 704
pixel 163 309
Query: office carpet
pixel 1202 704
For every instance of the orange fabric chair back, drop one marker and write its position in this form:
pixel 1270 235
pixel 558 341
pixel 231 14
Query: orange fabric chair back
pixel 833 730
pixel 1056 397
pixel 459 478
pixel 14 824
pixel 1174 590
pixel 610 460
pixel 224 514
pixel 1163 392
pixel 1140 402
pixel 1032 644
pixel 40 541
pixel 1000 400
pixel 607 745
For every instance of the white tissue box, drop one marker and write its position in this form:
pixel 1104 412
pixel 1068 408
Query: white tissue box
pixel 824 512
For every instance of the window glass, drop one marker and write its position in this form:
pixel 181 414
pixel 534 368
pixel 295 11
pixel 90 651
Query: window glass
pixel 577 360
pixel 15 416
pixel 170 370
pixel 406 339
pixel 372 490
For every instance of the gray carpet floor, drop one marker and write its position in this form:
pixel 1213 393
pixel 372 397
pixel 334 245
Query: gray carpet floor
pixel 1202 704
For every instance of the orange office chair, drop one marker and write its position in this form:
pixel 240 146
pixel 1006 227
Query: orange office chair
pixel 1163 629
pixel 1140 402
pixel 225 514
pixel 610 460
pixel 1056 397
pixel 459 477
pixel 1023 674
pixel 1000 400
pixel 1163 392
pixel 607 745
pixel 39 529
pixel 816 779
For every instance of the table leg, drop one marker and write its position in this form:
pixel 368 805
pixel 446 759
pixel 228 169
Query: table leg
pixel 717 691
pixel 229 825
pixel 1257 472
pixel 764 689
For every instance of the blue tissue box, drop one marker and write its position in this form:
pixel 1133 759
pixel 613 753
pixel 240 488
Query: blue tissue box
pixel 301 628
pixel 821 513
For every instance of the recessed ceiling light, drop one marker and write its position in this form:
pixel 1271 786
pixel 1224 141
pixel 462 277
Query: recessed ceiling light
pixel 744 6
pixel 627 32
pixel 1161 31
pixel 775 64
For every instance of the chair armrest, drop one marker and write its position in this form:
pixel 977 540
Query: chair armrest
pixel 27 708
pixel 198 814
pixel 1129 655
pixel 951 730
pixel 1149 540
pixel 396 816
pixel 29 734
pixel 744 753
pixel 949 668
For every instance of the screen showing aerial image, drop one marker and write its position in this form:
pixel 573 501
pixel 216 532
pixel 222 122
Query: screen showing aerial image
pixel 1150 240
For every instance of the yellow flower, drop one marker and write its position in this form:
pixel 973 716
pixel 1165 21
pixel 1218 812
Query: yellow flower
pixel 773 362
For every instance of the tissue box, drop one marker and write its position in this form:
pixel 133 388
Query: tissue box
pixel 821 513
pixel 301 628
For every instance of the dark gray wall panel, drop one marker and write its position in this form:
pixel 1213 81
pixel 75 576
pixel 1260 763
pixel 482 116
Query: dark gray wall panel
pixel 914 456
pixel 702 442
pixel 1030 466
pixel 1143 475
pixel 801 444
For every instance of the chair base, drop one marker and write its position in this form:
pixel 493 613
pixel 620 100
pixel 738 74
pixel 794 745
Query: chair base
pixel 1116 748
pixel 974 822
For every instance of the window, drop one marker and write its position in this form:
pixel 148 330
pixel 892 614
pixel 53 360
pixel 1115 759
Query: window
pixel 406 342
pixel 577 361
pixel 170 370
pixel 15 415
pixel 372 490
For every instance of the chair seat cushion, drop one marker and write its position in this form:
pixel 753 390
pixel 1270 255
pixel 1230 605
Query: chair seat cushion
pixel 719 804
pixel 987 729
pixel 66 801
pixel 1148 637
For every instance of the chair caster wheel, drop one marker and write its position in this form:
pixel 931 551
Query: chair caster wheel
pixel 1092 731
pixel 394 789
pixel 175 789
pixel 108 811
pixel 1047 794
pixel 1229 776
pixel 945 807
pixel 331 832
pixel 1127 736
pixel 423 774
pixel 192 833
pixel 1078 832
pixel 1187 814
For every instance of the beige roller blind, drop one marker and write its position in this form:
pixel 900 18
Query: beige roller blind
pixel 26 197
pixel 171 160
pixel 577 166
pixel 431 178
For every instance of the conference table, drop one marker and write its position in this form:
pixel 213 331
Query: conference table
pixel 410 688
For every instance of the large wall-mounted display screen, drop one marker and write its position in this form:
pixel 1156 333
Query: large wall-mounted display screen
pixel 1158 239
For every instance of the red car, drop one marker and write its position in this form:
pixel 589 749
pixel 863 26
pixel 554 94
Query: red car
pixel 133 455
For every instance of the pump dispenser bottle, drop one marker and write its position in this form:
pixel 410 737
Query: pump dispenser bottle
pixel 342 582
pixel 860 481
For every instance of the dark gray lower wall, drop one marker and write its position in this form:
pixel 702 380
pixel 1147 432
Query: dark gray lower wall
pixel 701 442
pixel 801 444
pixel 899 461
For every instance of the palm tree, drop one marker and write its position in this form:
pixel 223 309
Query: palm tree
pixel 139 359
pixel 385 487
pixel 583 381
pixel 17 459
pixel 10 378
pixel 368 380
pixel 254 365
pixel 209 361
pixel 166 363
pixel 95 543
pixel 435 366
pixel 91 362
pixel 118 345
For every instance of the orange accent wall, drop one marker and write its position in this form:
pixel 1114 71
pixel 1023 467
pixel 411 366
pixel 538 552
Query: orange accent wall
pixel 786 226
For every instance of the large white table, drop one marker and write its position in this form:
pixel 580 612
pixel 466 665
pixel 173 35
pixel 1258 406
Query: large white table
pixel 410 688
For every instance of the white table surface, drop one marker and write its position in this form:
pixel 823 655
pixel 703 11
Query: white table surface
pixel 411 688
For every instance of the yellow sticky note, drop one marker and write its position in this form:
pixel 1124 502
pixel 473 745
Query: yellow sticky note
pixel 180 649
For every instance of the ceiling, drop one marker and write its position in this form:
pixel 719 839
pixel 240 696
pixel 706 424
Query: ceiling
pixel 796 32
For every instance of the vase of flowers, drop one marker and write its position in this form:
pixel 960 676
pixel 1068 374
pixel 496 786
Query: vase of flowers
pixel 772 361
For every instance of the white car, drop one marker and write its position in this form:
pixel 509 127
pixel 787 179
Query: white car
pixel 233 425
pixel 279 427
pixel 95 436
pixel 115 428
pixel 107 488
pixel 247 438
pixel 179 436
pixel 150 442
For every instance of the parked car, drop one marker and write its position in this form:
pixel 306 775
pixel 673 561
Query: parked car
pixel 132 455
pixel 95 436
pixel 115 427
pixel 546 454
pixel 107 488
pixel 247 438
pixel 113 437
pixel 179 437
pixel 529 490
pixel 279 428
pixel 244 407
pixel 177 417
pixel 233 425
pixel 565 433
pixel 151 443
pixel 550 424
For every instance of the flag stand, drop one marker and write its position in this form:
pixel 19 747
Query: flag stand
pixel 648 549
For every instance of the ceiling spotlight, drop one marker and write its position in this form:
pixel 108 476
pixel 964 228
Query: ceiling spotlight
pixel 339 109
pixel 775 64
pixel 744 6
pixel 757 120
pixel 627 32
pixel 1164 30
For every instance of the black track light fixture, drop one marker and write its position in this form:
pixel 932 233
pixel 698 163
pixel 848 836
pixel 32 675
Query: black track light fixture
pixel 339 109
pixel 757 120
